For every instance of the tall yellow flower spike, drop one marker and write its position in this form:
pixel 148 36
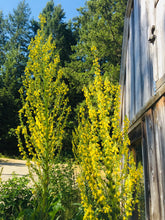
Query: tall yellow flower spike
pixel 44 112
pixel 106 181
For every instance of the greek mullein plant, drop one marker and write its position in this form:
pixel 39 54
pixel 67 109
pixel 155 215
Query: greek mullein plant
pixel 44 113
pixel 108 176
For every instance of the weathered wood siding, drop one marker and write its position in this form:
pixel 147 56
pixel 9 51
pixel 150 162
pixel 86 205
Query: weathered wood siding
pixel 152 188
pixel 142 80
pixel 143 59
pixel 160 33
pixel 153 137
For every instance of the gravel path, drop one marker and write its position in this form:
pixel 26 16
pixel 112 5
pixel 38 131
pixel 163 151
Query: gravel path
pixel 11 166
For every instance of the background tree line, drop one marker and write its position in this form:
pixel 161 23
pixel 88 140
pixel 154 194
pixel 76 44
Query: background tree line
pixel 100 24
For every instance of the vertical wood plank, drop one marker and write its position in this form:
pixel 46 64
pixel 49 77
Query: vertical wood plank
pixel 160 40
pixel 132 68
pixel 128 74
pixel 124 51
pixel 146 76
pixel 124 101
pixel 152 46
pixel 138 88
pixel 152 164
pixel 123 107
pixel 146 172
pixel 123 66
pixel 159 122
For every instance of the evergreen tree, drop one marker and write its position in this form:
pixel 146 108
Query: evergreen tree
pixel 61 32
pixel 19 27
pixel 3 37
pixel 16 35
pixel 100 24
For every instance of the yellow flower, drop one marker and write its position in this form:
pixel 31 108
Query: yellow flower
pixel 100 146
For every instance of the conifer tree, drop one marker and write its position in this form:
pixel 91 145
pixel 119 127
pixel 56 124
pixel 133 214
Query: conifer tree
pixel 3 37
pixel 10 101
pixel 100 23
pixel 15 36
pixel 19 27
pixel 61 32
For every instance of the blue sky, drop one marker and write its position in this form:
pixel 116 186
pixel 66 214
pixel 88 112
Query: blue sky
pixel 36 6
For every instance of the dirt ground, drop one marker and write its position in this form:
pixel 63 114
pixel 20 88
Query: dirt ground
pixel 11 166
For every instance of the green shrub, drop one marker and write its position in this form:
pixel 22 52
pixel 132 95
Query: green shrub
pixel 20 201
pixel 15 196
pixel 64 186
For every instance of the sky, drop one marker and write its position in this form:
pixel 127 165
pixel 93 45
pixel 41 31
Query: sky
pixel 36 6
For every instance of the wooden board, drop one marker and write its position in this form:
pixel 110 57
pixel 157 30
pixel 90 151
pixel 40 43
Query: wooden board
pixel 132 67
pixel 152 46
pixel 123 68
pixel 160 33
pixel 159 123
pixel 144 50
pixel 136 134
pixel 138 81
pixel 129 7
pixel 136 120
pixel 142 66
pixel 149 139
pixel 128 82
pixel 123 107
pixel 160 82
pixel 146 172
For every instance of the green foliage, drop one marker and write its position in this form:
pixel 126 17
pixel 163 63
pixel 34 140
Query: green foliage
pixel 63 185
pixel 100 24
pixel 53 212
pixel 18 201
pixel 15 34
pixel 61 32
pixel 15 196
pixel 140 207
pixel 1 170
pixel 19 28
pixel 9 119
pixel 3 37
pixel 108 178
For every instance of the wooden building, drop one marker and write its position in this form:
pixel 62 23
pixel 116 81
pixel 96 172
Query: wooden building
pixel 142 80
